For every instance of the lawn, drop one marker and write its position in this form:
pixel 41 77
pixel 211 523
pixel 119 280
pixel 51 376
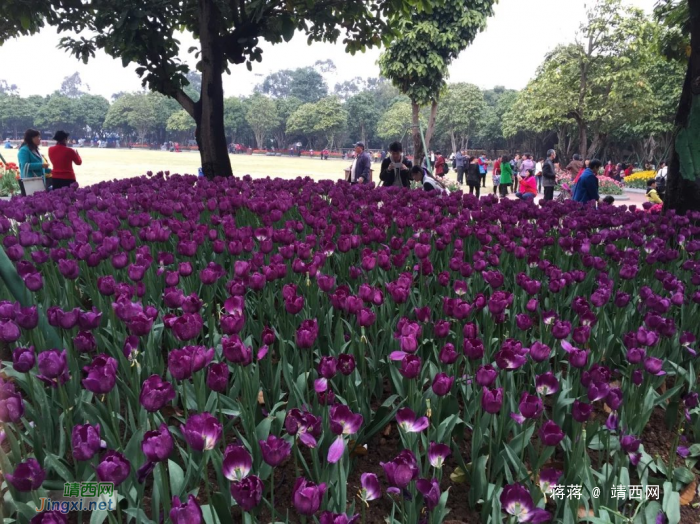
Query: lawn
pixel 109 164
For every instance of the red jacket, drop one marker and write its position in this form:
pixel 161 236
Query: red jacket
pixel 62 157
pixel 528 185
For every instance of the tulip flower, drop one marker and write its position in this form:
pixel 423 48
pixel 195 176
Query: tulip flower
pixel 49 517
pixel 156 393
pixel 492 400
pixel 306 334
pixel 517 501
pixel 337 518
pixel 157 445
pixel 540 352
pixel 202 431
pixel 547 384
pixel 23 359
pixel 442 384
pixel 27 476
pixel 402 470
pixel 275 450
pixel 247 492
pixel 101 375
pixel 342 422
pixel 410 367
pixel 430 489
pixel 549 478
pixel 530 405
pixel 217 377
pixel 581 411
pixel 113 468
pixel 406 419
pixel 236 351
pixel 630 445
pixel 371 490
pixel 307 496
pixel 188 513
pixel 346 364
pixel 86 441
pixel 305 426
pixel 237 462
pixel 550 433
pixel 437 454
pixel 53 367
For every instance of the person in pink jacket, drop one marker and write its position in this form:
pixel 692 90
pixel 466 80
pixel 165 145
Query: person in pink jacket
pixel 528 186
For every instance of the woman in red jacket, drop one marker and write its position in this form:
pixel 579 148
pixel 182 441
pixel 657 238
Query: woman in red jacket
pixel 528 186
pixel 63 157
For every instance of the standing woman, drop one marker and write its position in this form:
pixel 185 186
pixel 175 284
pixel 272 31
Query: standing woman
pixel 506 176
pixel 63 157
pixel 474 176
pixel 31 163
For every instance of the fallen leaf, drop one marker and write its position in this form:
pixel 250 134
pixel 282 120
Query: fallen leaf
pixel 357 451
pixel 688 493
pixel 583 513
pixel 458 476
pixel 261 398
pixel 387 430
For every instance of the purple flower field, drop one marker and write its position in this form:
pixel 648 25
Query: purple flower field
pixel 223 351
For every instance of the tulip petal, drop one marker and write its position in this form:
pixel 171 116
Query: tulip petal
pixel 335 452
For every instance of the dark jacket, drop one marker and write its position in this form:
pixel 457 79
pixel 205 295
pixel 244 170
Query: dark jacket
pixel 586 188
pixel 388 176
pixel 549 176
pixel 473 174
pixel 362 168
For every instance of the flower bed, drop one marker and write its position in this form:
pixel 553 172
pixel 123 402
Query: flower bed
pixel 606 185
pixel 639 179
pixel 250 350
pixel 9 173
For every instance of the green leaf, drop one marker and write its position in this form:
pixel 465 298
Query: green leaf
pixel 671 504
pixel 55 463
pixel 683 475
pixel 177 478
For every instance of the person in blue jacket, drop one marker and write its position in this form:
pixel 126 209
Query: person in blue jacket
pixel 587 186
pixel 31 163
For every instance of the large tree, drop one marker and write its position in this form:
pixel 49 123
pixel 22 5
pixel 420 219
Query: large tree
pixel 144 32
pixel 262 117
pixel 683 189
pixel 417 61
pixel 304 83
pixel 362 115
pixel 460 114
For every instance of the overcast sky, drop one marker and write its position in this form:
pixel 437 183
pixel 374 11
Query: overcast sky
pixel 507 53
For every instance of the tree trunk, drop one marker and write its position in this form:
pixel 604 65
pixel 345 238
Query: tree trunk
pixel 418 152
pixel 209 110
pixel 683 184
pixel 363 133
pixel 431 124
pixel 454 142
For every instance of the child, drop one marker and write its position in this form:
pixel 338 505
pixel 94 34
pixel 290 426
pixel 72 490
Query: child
pixel 609 200
pixel 496 174
pixel 652 195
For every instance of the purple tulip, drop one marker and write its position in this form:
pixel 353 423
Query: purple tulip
pixel 614 399
pixel 448 354
pixel 441 329
pixel 371 489
pixel 187 327
pixel 247 492
pixel 307 496
pixel 86 441
pixel 442 384
pixel 410 367
pixel 53 367
pixel 89 320
pixel 9 331
pixel 304 426
pixel 49 517
pixel 131 347
pixel 307 334
pixel 275 450
pixel 508 359
pixel 157 445
pixel 156 393
pixel 524 322
pixel 113 468
pixel 237 462
pixel 69 268
pixel 654 366
pixel 406 419
pixel 26 317
pixel 540 352
pixel 23 359
pixel 337 518
pixel 630 445
pixel 106 285
pixel 237 352
pixel 690 400
pixel 551 434
pixel 530 405
pixel 561 329
pixel 547 384
pixel 11 403
pixel 402 470
pixel 202 431
pixel 486 375
pixel 189 513
pixel 517 501
pixel 328 367
pixel 636 355
pixel 581 411
pixel 101 375
pixel 437 454
pixel 217 377
pixel 27 476
pixel 84 342
pixel 492 400
pixel 473 348
pixel 549 478
pixel 346 364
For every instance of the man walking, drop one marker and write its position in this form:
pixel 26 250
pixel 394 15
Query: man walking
pixel 549 177
pixel 359 171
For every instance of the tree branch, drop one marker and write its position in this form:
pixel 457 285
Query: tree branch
pixel 187 103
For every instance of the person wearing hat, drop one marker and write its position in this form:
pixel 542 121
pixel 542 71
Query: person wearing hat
pixel 63 157
pixel 361 166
